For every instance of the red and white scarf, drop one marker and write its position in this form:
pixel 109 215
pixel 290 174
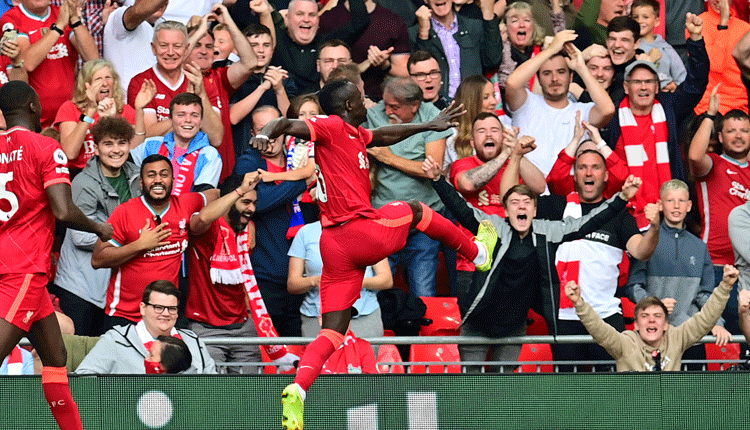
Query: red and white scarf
pixel 237 269
pixel 185 176
pixel 15 361
pixel 567 260
pixel 146 337
pixel 647 155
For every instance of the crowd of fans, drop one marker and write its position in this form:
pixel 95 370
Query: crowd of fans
pixel 154 102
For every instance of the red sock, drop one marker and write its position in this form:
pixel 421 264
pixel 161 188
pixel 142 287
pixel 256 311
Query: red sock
pixel 316 355
pixel 439 228
pixel 60 399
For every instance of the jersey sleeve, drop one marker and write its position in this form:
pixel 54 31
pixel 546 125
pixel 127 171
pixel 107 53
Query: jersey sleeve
pixel 322 129
pixel 129 114
pixel 53 164
pixel 195 202
pixel 133 88
pixel 68 112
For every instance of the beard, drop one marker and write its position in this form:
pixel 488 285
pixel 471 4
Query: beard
pixel 235 220
pixel 153 201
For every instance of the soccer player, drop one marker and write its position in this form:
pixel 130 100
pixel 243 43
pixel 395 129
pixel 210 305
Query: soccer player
pixel 354 234
pixel 34 192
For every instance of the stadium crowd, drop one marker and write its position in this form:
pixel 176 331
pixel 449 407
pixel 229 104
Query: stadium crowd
pixel 148 108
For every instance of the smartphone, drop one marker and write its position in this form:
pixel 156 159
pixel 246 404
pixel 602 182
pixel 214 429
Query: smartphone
pixel 9 35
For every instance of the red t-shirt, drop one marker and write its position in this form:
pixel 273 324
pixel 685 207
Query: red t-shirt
pixel 55 77
pixel 213 304
pixel 165 92
pixel 219 90
pixel 343 169
pixel 726 186
pixel 129 280
pixel 493 194
pixel 70 112
pixel 29 163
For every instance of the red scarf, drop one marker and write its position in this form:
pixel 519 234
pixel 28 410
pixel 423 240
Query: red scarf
pixel 647 154
pixel 15 361
pixel 185 177
pixel 568 261
pixel 262 320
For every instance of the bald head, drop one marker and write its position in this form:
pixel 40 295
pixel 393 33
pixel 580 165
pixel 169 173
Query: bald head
pixel 16 95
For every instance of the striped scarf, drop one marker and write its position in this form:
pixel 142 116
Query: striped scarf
pixel 647 155
pixel 567 259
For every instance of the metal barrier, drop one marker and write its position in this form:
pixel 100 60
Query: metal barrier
pixel 520 366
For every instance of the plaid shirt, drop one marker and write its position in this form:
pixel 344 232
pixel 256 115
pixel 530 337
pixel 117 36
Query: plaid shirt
pixel 452 52
pixel 92 17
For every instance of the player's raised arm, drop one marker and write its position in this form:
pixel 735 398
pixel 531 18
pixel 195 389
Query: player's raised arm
pixel 391 134
pixel 278 127
pixel 65 211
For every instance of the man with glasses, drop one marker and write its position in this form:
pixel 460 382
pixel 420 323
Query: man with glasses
pixel 645 130
pixel 425 70
pixel 123 349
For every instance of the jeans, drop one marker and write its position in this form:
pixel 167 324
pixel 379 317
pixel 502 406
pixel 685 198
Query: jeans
pixel 419 258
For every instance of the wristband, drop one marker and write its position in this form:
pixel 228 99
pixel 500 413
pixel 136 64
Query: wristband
pixel 601 144
pixel 711 117
pixel 140 133
pixel 76 24
pixel 722 27
pixel 54 27
pixel 262 136
pixel 86 118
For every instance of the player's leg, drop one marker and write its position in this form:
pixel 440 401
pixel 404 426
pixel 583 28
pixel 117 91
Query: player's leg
pixel 440 228
pixel 46 337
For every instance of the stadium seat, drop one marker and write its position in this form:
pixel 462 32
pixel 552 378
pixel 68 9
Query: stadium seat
pixel 445 316
pixel 435 352
pixel 536 352
pixel 536 325
pixel 729 352
pixel 389 354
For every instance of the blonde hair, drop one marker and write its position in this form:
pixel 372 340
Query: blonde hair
pixel 519 7
pixel 85 76
pixel 674 185
pixel 469 93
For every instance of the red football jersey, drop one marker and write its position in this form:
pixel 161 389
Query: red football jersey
pixel 343 169
pixel 212 304
pixel 70 112
pixel 165 92
pixel 29 163
pixel 129 280
pixel 54 79
pixel 726 186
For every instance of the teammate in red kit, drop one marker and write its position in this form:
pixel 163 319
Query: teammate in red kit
pixel 354 234
pixel 34 192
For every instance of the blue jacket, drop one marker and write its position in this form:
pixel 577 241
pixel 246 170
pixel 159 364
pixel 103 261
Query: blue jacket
pixel 207 167
pixel 272 218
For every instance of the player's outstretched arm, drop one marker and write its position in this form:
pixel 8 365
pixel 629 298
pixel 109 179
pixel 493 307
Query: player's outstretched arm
pixel 278 127
pixel 65 211
pixel 201 222
pixel 391 134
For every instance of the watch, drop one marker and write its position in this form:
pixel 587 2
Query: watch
pixel 86 118
pixel 54 27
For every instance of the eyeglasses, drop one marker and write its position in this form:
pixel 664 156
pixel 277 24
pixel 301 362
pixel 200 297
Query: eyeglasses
pixel 421 76
pixel 642 81
pixel 160 309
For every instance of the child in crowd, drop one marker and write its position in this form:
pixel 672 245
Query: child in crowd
pixel 670 68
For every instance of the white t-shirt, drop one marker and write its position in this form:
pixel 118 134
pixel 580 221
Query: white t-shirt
pixel 183 10
pixel 129 51
pixel 551 127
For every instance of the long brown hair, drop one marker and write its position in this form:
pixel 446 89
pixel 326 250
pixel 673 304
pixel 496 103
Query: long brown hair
pixel 470 94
